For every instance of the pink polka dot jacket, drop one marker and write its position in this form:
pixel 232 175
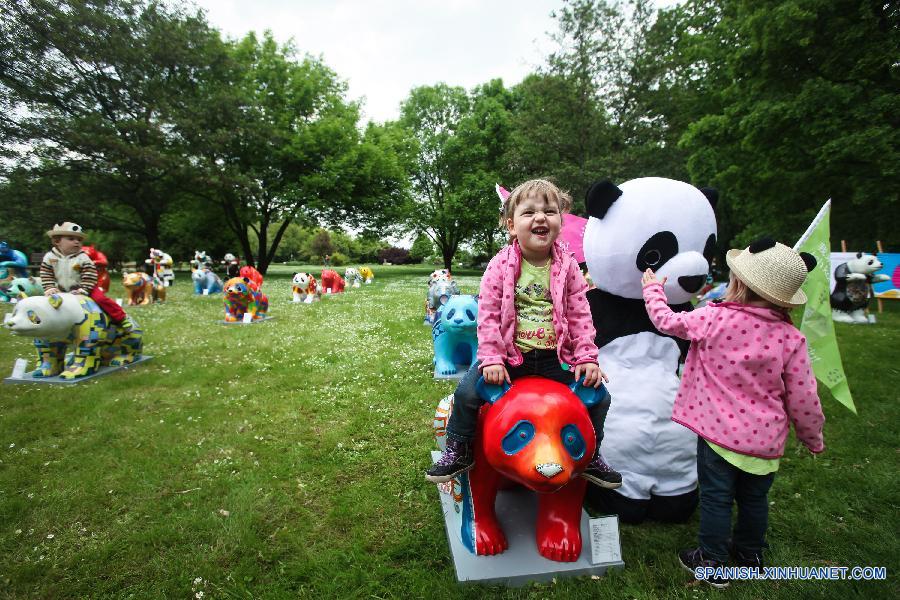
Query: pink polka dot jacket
pixel 497 311
pixel 746 379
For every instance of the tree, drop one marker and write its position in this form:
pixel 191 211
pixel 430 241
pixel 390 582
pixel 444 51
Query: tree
pixel 321 244
pixel 284 145
pixel 93 94
pixel 421 249
pixel 810 111
pixel 459 141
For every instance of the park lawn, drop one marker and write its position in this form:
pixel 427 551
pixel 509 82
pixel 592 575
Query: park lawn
pixel 285 459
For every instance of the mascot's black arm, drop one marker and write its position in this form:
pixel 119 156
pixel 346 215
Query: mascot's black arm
pixel 615 317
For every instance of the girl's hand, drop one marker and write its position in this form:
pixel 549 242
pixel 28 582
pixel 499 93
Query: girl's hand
pixel 495 374
pixel 593 374
pixel 650 277
pixel 51 291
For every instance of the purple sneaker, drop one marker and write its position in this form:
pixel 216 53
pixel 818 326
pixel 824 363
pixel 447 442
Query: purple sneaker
pixel 693 558
pixel 456 459
pixel 601 474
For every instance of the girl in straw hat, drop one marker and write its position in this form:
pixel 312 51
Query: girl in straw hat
pixel 746 379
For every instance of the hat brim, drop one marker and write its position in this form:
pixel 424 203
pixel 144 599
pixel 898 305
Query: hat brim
pixel 55 232
pixel 798 299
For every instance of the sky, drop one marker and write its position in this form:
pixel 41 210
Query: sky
pixel 384 48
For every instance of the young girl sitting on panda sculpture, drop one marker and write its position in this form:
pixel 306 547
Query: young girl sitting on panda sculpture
pixel 747 378
pixel 533 315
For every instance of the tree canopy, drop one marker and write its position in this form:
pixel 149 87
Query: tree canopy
pixel 136 118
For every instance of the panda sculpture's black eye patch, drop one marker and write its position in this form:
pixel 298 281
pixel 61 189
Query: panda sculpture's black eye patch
pixel 656 251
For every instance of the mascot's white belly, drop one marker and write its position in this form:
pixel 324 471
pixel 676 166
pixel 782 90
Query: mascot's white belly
pixel 653 453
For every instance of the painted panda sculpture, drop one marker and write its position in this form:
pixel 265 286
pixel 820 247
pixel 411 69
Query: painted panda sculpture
pixel 852 290
pixel 241 298
pixel 20 287
pixel 205 280
pixel 332 283
pixel 537 434
pixel 61 321
pixel 438 294
pixel 353 277
pixel 454 334
pixel 367 274
pixel 304 288
pixel 668 226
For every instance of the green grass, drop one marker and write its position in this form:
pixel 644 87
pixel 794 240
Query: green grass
pixel 285 459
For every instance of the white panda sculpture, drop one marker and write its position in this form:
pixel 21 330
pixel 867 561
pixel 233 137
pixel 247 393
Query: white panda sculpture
pixel 852 287
pixel 668 226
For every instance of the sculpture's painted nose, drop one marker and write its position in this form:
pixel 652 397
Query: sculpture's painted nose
pixel 549 470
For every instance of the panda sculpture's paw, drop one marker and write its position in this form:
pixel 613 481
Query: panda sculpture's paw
pixel 42 371
pixel 879 278
pixel 841 317
pixel 489 538
pixel 560 542
pixel 445 369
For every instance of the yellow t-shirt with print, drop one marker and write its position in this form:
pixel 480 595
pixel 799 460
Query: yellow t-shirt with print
pixel 534 309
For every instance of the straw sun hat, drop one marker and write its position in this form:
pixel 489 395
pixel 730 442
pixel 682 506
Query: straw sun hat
pixel 772 270
pixel 67 228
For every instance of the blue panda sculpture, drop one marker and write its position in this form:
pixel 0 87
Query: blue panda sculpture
pixel 455 335
pixel 670 227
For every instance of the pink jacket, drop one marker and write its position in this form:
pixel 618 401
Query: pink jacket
pixel 497 311
pixel 747 376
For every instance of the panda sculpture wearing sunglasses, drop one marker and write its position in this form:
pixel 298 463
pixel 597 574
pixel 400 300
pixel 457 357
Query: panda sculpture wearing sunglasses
pixel 668 226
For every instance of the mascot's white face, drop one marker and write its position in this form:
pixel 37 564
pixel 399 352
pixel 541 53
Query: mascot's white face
pixel 301 280
pixel 662 224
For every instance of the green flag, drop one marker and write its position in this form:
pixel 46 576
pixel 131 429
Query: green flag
pixel 815 319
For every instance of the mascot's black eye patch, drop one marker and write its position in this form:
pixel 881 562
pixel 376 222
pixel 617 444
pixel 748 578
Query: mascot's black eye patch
pixel 710 248
pixel 657 251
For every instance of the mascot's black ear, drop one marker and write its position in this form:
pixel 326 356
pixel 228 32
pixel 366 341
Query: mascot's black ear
pixel 809 260
pixel 859 255
pixel 712 194
pixel 246 280
pixel 600 197
pixel 763 243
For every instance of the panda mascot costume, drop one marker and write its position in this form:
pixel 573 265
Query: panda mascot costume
pixel 668 226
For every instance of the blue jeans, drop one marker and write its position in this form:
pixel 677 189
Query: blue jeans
pixel 467 402
pixel 722 484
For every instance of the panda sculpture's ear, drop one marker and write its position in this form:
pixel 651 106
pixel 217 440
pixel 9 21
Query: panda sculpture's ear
pixel 589 395
pixel 55 301
pixel 763 243
pixel 859 255
pixel 809 260
pixel 490 392
pixel 712 194
pixel 600 197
